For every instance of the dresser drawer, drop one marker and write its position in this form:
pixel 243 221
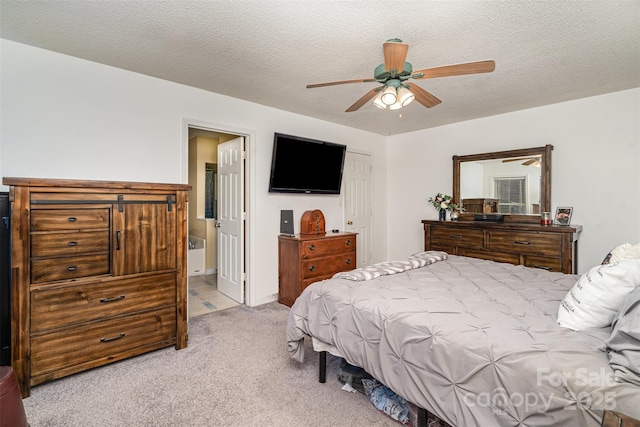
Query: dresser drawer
pixel 510 257
pixel 316 267
pixel 307 282
pixel 314 248
pixel 56 308
pixel 69 219
pixel 453 236
pixel 548 244
pixel 545 263
pixel 51 269
pixel 56 244
pixel 101 340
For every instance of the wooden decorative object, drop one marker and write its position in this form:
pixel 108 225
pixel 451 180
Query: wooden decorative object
pixel 312 222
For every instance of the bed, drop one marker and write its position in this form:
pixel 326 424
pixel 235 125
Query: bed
pixel 475 342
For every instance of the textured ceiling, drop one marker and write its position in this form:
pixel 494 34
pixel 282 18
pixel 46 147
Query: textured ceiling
pixel 267 51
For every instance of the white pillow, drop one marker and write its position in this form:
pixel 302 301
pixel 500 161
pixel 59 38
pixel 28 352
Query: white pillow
pixel 595 299
pixel 625 251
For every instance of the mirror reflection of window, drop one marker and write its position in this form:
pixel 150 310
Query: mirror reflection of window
pixel 210 190
pixel 512 193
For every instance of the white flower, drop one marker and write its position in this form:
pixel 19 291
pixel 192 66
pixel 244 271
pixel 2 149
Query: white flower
pixel 444 205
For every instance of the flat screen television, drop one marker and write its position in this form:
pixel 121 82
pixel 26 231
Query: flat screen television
pixel 303 165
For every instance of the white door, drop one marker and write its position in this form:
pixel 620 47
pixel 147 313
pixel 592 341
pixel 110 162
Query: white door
pixel 358 204
pixel 231 219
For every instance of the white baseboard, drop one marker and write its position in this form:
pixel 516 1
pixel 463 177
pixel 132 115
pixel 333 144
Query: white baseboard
pixel 265 300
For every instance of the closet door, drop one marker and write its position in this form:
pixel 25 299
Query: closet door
pixel 144 234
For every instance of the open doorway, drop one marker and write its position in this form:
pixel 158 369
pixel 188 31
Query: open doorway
pixel 205 263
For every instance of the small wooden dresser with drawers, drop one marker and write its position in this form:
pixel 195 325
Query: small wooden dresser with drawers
pixel 550 247
pixel 305 259
pixel 98 273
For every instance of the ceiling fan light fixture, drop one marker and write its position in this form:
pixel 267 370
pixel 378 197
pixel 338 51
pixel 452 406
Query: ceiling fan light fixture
pixel 405 97
pixel 389 96
pixel 377 101
pixel 396 106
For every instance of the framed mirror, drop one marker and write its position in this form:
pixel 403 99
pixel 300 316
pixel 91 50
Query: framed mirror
pixel 515 183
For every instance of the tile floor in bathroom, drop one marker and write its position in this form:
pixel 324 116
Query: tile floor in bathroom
pixel 204 296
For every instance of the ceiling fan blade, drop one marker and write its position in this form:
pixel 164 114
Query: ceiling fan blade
pixel 422 96
pixel 532 159
pixel 341 82
pixel 457 70
pixel 360 102
pixel 394 55
pixel 529 162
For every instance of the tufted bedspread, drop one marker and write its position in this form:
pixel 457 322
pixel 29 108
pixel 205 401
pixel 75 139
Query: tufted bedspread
pixel 475 342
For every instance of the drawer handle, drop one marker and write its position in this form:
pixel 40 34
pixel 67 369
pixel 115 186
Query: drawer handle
pixel 112 299
pixel 73 243
pixel 312 268
pixel 348 260
pixel 312 247
pixel 543 267
pixel 455 236
pixel 103 339
pixel 519 242
pixel 72 268
pixel 72 219
pixel 349 242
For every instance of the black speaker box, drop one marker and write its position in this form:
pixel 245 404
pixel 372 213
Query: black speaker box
pixel 286 222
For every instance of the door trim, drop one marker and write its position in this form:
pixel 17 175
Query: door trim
pixel 249 191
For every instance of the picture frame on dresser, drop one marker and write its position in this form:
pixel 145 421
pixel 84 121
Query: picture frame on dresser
pixel 563 216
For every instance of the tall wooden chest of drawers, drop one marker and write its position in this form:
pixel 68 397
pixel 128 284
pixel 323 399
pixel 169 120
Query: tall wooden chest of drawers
pixel 550 247
pixel 98 273
pixel 305 259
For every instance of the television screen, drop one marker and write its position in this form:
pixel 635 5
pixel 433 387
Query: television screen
pixel 303 165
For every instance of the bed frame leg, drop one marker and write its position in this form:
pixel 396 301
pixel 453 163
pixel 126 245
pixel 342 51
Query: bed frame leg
pixel 422 417
pixel 322 371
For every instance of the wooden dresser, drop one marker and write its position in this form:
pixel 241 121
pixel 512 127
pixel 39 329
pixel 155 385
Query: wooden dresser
pixel 550 247
pixel 98 273
pixel 305 259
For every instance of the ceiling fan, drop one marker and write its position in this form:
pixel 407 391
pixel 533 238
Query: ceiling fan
pixel 535 161
pixel 396 91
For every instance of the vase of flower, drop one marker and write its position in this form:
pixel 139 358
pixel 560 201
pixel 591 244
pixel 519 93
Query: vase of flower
pixel 444 203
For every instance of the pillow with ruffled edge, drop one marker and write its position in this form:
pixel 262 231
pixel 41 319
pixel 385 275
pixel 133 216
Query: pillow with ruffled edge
pixel 624 251
pixel 595 299
pixel 623 346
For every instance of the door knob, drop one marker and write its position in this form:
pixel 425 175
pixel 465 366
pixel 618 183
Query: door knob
pixel 349 222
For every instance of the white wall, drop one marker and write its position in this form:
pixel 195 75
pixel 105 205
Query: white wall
pixel 64 117
pixel 595 168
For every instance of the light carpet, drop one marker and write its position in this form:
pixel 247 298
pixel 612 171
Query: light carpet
pixel 235 371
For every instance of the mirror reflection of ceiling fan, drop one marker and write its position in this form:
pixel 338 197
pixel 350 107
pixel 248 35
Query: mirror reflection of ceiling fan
pixel 396 91
pixel 528 161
